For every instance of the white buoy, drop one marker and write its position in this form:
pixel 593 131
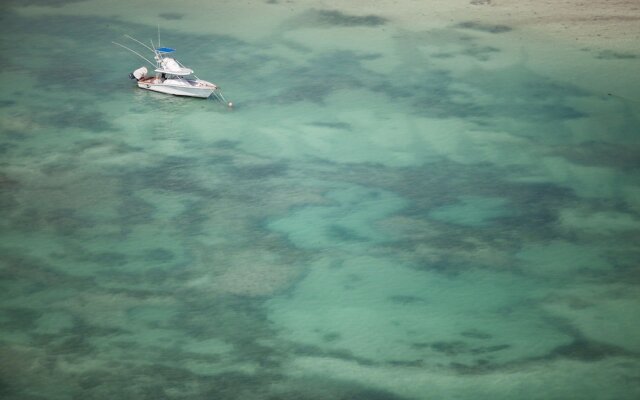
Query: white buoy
pixel 230 104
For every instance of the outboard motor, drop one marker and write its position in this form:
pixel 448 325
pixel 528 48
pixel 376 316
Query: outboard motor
pixel 139 73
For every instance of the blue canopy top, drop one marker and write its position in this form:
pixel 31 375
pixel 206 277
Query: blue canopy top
pixel 165 50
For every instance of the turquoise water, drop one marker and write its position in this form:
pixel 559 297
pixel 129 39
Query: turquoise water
pixel 387 213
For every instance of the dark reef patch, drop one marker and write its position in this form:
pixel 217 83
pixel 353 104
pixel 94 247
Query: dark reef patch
pixel 489 349
pixel 555 112
pixel 18 318
pixel 226 144
pixel 171 174
pixel 7 183
pixel 263 171
pixel 29 219
pixel 338 18
pixel 293 45
pixel 133 210
pixel 616 55
pixel 158 254
pixel 8 187
pixel 475 334
pixel 596 153
pixel 46 3
pixel 477 26
pixel 238 320
pixel 8 202
pixel 319 388
pixel 478 367
pixel 406 299
pixel 435 185
pixel 443 55
pixel 511 93
pixel 71 346
pixel 341 354
pixel 192 219
pixel 309 91
pixel 321 76
pixel 431 93
pixel 428 244
pixel 18 268
pixel 121 382
pixel 67 222
pixel 523 96
pixel 481 53
pixel 80 117
pixel 331 337
pixel 108 259
pixel 342 233
pixel 542 88
pixel 171 16
pixel 450 348
pixel 411 364
pixel 588 350
pixel 239 385
pixel 333 125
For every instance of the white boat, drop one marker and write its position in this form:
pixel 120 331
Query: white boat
pixel 170 76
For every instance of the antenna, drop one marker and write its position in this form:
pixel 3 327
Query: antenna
pixel 159 35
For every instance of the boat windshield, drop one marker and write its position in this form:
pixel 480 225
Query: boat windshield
pixel 170 66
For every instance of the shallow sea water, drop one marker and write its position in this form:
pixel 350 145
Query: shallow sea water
pixel 387 213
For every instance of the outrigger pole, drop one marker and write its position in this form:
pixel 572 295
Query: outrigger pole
pixel 139 42
pixel 136 53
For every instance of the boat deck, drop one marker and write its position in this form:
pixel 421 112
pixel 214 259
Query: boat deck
pixel 181 82
pixel 151 79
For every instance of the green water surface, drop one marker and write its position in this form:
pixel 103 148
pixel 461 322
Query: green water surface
pixel 386 213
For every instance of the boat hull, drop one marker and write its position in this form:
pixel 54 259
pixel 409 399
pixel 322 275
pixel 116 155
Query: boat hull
pixel 201 91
